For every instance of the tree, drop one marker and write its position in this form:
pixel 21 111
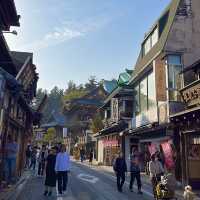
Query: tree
pixel 50 135
pixel 54 103
pixel 96 123
pixel 91 84
pixel 73 91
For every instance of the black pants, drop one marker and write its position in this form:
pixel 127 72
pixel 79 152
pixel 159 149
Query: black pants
pixel 41 168
pixel 62 181
pixel 135 175
pixel 120 180
pixel 33 164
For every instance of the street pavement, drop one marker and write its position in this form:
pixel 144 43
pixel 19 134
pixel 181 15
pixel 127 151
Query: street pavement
pixel 84 184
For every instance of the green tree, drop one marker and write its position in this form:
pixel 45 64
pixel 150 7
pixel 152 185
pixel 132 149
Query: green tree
pixel 96 123
pixel 50 136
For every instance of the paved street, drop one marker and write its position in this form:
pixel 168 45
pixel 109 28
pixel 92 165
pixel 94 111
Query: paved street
pixel 84 184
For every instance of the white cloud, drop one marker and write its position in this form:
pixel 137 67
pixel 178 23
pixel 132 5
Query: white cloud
pixel 68 30
pixel 54 38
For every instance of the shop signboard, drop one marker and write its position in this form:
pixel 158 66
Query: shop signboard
pixel 115 109
pixel 168 154
pixel 110 142
pixel 191 94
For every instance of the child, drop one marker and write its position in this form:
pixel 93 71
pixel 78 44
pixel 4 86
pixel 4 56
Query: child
pixel 50 181
pixel 188 194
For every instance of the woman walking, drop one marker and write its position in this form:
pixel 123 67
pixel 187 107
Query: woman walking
pixel 50 181
pixel 156 171
pixel 62 168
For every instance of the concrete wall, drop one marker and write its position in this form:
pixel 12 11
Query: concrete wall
pixel 185 34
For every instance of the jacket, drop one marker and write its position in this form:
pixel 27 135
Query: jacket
pixel 134 164
pixel 120 165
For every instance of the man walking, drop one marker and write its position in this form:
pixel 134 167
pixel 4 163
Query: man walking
pixel 120 169
pixel 41 160
pixel 62 168
pixel 135 170
pixel 11 151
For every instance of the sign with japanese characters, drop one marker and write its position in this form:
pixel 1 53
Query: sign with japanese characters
pixel 191 95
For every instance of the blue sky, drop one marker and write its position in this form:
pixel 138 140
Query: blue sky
pixel 73 39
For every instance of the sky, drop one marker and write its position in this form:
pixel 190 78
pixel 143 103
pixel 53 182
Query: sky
pixel 74 39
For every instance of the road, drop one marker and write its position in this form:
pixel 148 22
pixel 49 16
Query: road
pixel 84 184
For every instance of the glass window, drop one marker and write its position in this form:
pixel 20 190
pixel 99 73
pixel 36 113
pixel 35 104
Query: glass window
pixel 143 95
pixel 137 99
pixel 174 69
pixel 154 37
pixel 174 77
pixel 151 91
pixel 174 60
pixel 147 45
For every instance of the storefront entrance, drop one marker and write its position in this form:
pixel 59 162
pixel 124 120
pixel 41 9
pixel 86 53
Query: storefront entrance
pixel 193 159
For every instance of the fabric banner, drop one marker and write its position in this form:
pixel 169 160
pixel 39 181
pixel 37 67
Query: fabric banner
pixel 168 154
pixel 152 148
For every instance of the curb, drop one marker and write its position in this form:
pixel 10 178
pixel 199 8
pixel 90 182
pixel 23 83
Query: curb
pixel 16 190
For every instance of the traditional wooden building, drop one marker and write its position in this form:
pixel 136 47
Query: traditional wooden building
pixel 79 113
pixel 187 124
pixel 16 112
pixel 118 111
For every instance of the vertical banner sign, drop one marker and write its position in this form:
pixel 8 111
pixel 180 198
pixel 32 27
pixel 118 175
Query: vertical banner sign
pixel 152 149
pixel 64 132
pixel 168 154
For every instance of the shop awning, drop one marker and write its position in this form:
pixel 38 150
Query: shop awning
pixel 117 127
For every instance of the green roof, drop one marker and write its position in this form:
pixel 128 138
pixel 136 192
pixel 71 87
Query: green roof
pixel 124 78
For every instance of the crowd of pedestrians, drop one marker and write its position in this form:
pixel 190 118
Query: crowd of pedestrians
pixel 52 162
pixel 155 168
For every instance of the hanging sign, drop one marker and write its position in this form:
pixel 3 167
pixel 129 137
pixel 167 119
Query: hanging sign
pixel 168 154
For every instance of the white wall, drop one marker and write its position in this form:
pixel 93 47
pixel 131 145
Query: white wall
pixel 100 151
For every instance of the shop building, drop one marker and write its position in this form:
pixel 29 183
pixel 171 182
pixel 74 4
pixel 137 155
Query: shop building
pixel 117 108
pixel 187 124
pixel 171 45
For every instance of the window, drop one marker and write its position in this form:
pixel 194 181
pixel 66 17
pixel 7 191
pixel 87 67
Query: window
pixel 154 37
pixel 147 46
pixel 143 95
pixel 151 91
pixel 174 69
pixel 174 78
pixel 150 41
pixel 137 99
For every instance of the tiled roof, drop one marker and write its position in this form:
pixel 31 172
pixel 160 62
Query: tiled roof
pixel 19 58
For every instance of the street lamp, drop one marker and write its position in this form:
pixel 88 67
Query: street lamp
pixel 14 32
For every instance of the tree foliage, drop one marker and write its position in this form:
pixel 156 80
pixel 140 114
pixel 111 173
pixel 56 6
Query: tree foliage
pixel 96 123
pixel 50 135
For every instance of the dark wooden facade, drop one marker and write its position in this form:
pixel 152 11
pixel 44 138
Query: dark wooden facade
pixel 187 124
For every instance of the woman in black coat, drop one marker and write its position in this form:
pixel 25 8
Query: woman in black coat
pixel 50 181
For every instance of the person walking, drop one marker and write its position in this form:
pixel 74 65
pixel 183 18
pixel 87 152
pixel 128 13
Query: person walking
pixel 28 156
pixel 50 179
pixel 120 169
pixel 82 154
pixel 11 151
pixel 91 157
pixel 156 171
pixel 62 168
pixel 33 158
pixel 41 160
pixel 135 170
